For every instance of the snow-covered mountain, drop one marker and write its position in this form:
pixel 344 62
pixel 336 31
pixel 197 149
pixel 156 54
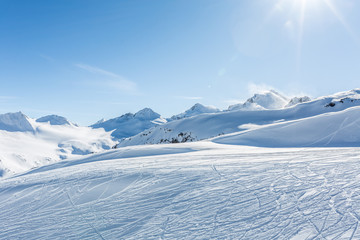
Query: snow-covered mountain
pixel 211 125
pixel 54 120
pixel 197 109
pixel 131 124
pixel 261 101
pixel 26 143
pixel 213 189
pixel 333 129
pixel 297 100
pixel 15 122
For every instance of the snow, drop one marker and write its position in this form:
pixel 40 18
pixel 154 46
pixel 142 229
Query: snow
pixel 306 186
pixel 336 129
pixel 210 125
pixel 42 143
pixel 196 190
pixel 146 114
pixel 297 100
pixel 260 101
pixel 130 124
pixel 54 120
pixel 15 122
pixel 197 109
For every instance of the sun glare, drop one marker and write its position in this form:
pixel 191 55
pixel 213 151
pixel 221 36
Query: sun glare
pixel 300 10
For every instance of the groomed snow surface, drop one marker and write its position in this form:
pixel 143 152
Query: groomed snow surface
pixel 197 190
pixel 226 187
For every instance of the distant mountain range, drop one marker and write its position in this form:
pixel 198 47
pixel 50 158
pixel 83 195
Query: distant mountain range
pixel 130 124
pixel 26 143
pixel 254 113
pixel 265 119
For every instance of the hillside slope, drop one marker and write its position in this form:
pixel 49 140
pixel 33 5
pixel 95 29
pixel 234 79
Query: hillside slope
pixel 211 125
pixel 130 124
pixel 26 143
pixel 337 129
pixel 188 191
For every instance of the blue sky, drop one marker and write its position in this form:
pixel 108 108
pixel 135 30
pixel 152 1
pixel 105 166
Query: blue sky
pixel 89 59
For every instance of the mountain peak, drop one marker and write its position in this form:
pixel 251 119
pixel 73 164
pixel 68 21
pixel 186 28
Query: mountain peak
pixel 266 100
pixel 297 100
pixel 146 113
pixel 14 122
pixel 195 110
pixel 54 120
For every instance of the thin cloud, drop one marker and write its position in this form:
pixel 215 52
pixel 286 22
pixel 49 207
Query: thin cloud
pixel 258 88
pixel 189 98
pixel 96 70
pixel 47 58
pixel 7 97
pixel 115 82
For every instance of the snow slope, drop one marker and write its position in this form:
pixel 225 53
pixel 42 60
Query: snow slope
pixel 201 191
pixel 30 144
pixel 15 122
pixel 130 124
pixel 297 100
pixel 197 109
pixel 336 129
pixel 211 125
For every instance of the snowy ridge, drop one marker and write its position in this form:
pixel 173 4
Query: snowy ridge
pixel 54 120
pixel 211 125
pixel 195 110
pixel 131 124
pixel 297 100
pixel 30 143
pixel 15 122
pixel 336 129
pixel 261 101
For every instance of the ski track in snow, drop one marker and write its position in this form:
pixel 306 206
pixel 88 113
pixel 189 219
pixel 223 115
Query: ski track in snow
pixel 217 192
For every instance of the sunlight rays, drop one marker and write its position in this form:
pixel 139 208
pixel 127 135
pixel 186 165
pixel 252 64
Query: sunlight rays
pixel 302 9
pixel 301 32
pixel 340 18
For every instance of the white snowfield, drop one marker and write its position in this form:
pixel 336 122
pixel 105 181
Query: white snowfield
pixel 130 124
pixel 210 125
pixel 26 143
pixel 335 129
pixel 196 190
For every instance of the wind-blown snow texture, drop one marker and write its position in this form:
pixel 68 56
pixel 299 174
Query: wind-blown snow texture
pixel 130 124
pixel 204 191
